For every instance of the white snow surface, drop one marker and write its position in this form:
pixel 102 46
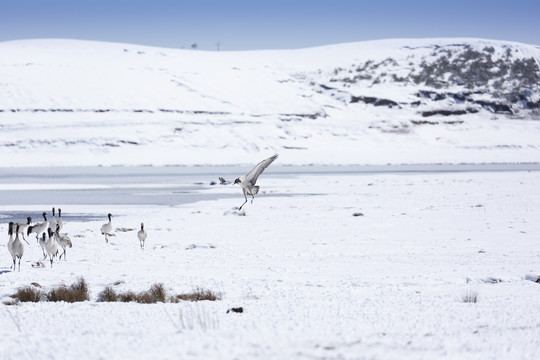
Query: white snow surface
pixel 71 102
pixel 314 281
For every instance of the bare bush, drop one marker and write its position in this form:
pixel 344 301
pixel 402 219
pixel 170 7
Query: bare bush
pixel 28 294
pixel 128 296
pixel 199 294
pixel 156 293
pixel 78 291
pixel 107 295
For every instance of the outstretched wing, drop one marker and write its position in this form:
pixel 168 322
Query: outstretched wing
pixel 257 170
pixel 223 181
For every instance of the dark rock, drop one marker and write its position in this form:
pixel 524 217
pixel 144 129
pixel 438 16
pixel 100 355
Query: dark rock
pixel 443 112
pixel 373 100
pixel 236 310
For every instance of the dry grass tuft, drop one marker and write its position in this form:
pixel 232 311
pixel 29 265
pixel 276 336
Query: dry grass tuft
pixel 470 296
pixel 199 295
pixel 107 295
pixel 194 317
pixel 128 297
pixel 78 291
pixel 28 294
pixel 156 293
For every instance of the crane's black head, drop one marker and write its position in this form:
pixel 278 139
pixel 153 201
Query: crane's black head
pixel 29 219
pixel 237 181
pixel 10 230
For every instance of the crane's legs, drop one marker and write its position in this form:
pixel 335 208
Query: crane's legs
pixel 245 197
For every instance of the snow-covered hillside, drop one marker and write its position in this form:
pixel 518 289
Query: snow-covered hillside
pixel 68 102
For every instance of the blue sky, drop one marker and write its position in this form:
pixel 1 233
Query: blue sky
pixel 277 24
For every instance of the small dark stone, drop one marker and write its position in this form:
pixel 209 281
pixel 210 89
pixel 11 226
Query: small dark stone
pixel 236 310
pixel 357 214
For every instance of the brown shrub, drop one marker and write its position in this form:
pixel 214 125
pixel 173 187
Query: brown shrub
pixel 28 294
pixel 199 295
pixel 127 296
pixel 107 295
pixel 78 291
pixel 156 293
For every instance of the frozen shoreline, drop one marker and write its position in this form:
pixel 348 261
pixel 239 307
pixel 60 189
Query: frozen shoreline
pixel 149 185
pixel 59 171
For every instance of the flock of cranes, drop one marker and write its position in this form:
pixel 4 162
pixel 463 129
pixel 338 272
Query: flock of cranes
pixel 51 240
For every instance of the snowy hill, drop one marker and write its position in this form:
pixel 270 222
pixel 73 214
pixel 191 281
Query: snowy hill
pixel 68 102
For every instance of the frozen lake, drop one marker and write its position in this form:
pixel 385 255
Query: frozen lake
pixel 173 185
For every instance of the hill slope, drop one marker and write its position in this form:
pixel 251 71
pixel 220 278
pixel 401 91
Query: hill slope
pixel 68 102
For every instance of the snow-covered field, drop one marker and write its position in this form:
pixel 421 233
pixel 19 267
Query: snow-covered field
pixel 314 281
